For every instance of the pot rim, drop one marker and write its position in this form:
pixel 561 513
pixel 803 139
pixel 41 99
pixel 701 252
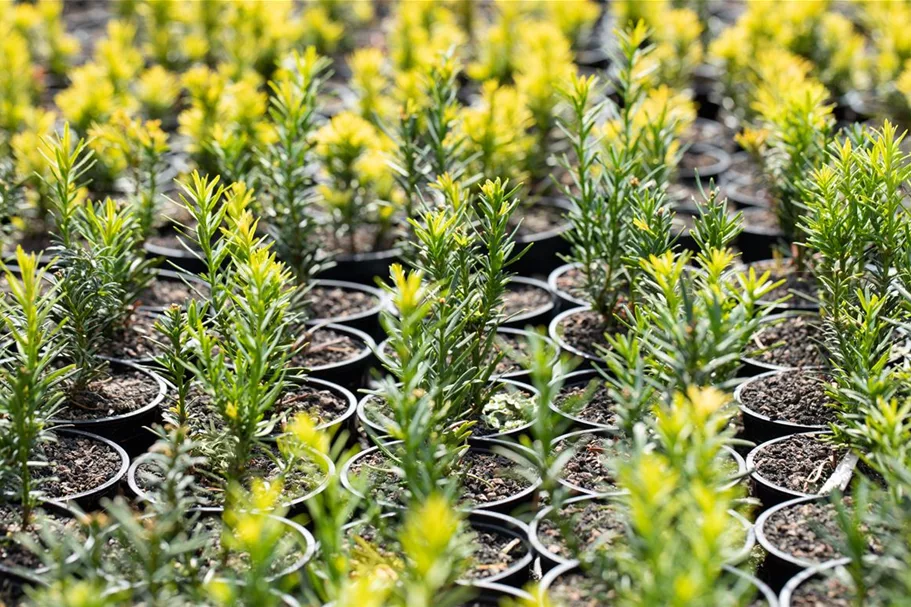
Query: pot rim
pixel 722 163
pixel 568 381
pixel 768 320
pixel 757 477
pixel 788 591
pixel 555 275
pixel 553 232
pixel 111 482
pixel 770 547
pixel 481 444
pixel 746 410
pixel 381 304
pixel 530 314
pixel 556 336
pixel 369 346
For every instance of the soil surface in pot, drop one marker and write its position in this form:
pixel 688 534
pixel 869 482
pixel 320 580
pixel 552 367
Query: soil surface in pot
pixel 589 402
pixel 806 531
pixel 792 342
pixel 134 340
pixel 578 590
pixel 799 463
pixel 123 391
pixel 595 525
pixel 163 292
pixel 753 189
pixel 798 397
pixel 515 352
pixel 521 299
pixel 828 591
pixel 694 159
pixel 506 419
pixel 585 331
pixel 799 285
pixel 535 219
pixel 571 281
pixel 306 476
pixel 366 240
pixel 494 552
pixel 76 464
pixel 760 219
pixel 322 405
pixel 588 467
pixel 486 478
pixel 328 347
pixel 15 554
pixel 336 302
pixel 707 131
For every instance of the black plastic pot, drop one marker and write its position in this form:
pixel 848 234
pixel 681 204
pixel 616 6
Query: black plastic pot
pixel 346 421
pixel 565 301
pixel 176 257
pixel 779 566
pixel 172 276
pixel 555 333
pixel 752 366
pixel 363 268
pixel 573 567
pixel 502 524
pixel 494 594
pixel 352 373
pixel 579 378
pixel 757 242
pixel 735 191
pixel 91 499
pixel 547 246
pixel 573 436
pixel 550 559
pixel 367 321
pixel 801 578
pixel 538 317
pixel 722 162
pixel 505 505
pixel 771 494
pixel 794 304
pixel 377 429
pixel 758 428
pixel 129 430
pixel 295 507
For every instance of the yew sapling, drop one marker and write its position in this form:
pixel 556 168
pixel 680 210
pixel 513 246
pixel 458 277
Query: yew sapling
pixel 286 176
pixel 31 383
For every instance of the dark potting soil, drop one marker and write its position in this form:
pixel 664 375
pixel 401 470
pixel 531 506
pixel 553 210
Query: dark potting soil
pixel 805 531
pixel 328 347
pixel 494 553
pixel 799 285
pixel 536 219
pixel 590 402
pixel 797 396
pixel 133 341
pixel 707 131
pixel 324 406
pixel 589 466
pixel 335 302
pixel 799 463
pixel 594 524
pixel 792 342
pixel 163 292
pixel 571 281
pixel 761 220
pixel 75 464
pixel 585 331
pixel 169 239
pixel 578 590
pixel 15 554
pixel 11 591
pixel 744 169
pixel 123 391
pixel 306 476
pixel 823 592
pixel 515 352
pixel 521 299
pixel 486 478
pixel 749 190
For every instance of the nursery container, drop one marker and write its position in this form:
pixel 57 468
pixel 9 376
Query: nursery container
pixel 754 366
pixel 379 430
pixel 556 332
pixel 345 421
pixel 759 428
pixel 178 257
pixel 483 445
pixel 162 275
pixel 717 161
pixel 129 430
pixel 578 379
pixel 779 566
pixel 546 246
pixel 91 499
pixel 565 300
pixel 363 268
pixel 534 317
pixel 367 320
pixel 350 373
pixel 771 494
pixel 295 506
pixel 819 571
